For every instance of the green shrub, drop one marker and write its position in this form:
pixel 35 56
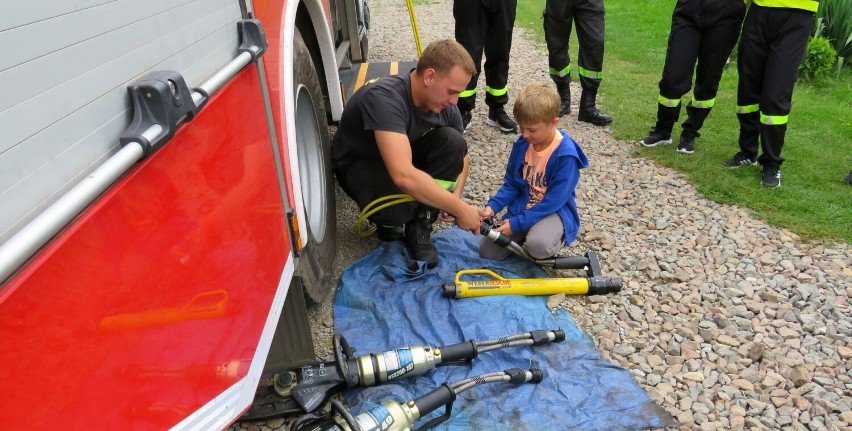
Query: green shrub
pixel 819 59
pixel 833 21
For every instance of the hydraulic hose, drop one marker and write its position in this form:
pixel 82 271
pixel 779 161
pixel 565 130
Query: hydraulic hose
pixel 376 206
pixel 559 262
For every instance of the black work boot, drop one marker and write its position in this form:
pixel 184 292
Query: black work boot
pixel 497 117
pixel 661 134
pixel 695 118
pixel 564 90
pixel 390 232
pixel 589 112
pixel 418 235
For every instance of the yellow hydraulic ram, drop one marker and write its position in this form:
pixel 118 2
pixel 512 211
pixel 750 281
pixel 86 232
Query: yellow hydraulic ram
pixel 528 286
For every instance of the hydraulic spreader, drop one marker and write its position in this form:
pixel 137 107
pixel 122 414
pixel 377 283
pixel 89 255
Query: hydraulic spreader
pixel 307 388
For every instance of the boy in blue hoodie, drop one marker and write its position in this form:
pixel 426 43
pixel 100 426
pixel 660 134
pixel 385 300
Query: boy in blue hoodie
pixel 541 175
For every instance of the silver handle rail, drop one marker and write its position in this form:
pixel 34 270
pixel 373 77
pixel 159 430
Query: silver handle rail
pixel 168 103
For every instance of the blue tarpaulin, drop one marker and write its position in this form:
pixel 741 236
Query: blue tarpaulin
pixel 387 301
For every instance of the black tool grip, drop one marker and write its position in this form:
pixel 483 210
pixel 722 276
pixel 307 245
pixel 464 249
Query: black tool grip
pixel 317 382
pixel 540 337
pixel 517 375
pixel 570 262
pixel 604 285
pixel 537 377
pixel 458 353
pixel 434 399
pixel 449 290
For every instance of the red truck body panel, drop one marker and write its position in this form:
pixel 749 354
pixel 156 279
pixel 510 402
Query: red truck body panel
pixel 153 301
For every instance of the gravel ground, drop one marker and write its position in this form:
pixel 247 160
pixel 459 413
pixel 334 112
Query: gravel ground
pixel 727 322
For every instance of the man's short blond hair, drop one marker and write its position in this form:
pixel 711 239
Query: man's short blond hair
pixel 537 103
pixel 442 55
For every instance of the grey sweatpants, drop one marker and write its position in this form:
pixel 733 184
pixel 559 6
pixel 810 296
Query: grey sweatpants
pixel 543 240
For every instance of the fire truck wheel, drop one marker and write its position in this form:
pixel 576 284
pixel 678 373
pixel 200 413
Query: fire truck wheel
pixel 313 148
pixel 364 29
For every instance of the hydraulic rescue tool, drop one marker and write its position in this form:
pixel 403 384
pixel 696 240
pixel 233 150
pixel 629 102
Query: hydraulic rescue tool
pixel 590 262
pixel 305 389
pixel 594 283
pixel 395 416
pixel 498 285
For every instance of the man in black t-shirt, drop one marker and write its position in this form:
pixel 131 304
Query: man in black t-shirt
pixel 403 134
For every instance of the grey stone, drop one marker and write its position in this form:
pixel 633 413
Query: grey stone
pixel 800 375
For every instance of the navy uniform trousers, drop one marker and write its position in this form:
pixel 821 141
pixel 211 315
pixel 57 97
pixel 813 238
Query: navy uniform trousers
pixel 703 32
pixel 772 46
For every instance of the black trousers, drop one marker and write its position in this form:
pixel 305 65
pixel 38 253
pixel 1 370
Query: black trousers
pixel 703 31
pixel 588 16
pixel 440 153
pixel 772 46
pixel 486 25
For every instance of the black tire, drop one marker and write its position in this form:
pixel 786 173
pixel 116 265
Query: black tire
pixel 365 48
pixel 364 30
pixel 313 147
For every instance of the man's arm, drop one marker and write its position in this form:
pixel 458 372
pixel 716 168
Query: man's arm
pixel 462 179
pixel 396 153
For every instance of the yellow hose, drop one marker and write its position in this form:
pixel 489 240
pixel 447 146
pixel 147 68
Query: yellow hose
pixel 374 207
pixel 414 28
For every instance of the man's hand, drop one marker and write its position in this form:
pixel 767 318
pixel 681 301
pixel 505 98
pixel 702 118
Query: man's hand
pixel 469 219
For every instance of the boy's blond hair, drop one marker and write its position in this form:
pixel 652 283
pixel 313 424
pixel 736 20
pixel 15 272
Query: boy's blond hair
pixel 537 103
pixel 442 55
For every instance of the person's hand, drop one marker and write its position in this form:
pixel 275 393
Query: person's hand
pixel 486 212
pixel 469 219
pixel 447 217
pixel 505 228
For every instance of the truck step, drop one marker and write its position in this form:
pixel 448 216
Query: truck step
pixel 353 78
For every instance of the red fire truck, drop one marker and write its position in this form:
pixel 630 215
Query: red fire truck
pixel 166 203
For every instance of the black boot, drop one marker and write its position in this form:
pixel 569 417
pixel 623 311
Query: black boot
pixel 418 235
pixel 390 232
pixel 661 134
pixel 694 119
pixel 589 112
pixel 564 90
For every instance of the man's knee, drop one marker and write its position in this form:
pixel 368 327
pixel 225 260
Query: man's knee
pixel 453 141
pixel 440 153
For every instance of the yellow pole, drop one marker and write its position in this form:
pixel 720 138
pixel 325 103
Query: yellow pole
pixel 524 286
pixel 498 285
pixel 414 28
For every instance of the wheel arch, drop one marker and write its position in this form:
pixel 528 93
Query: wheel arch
pixel 311 19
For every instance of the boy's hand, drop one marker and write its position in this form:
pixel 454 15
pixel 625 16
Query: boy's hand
pixel 505 228
pixel 486 212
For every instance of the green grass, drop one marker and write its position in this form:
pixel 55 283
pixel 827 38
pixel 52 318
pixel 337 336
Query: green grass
pixel 812 202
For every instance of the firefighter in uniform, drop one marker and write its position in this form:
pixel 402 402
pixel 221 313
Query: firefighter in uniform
pixel 486 25
pixel 704 31
pixel 772 46
pixel 588 16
